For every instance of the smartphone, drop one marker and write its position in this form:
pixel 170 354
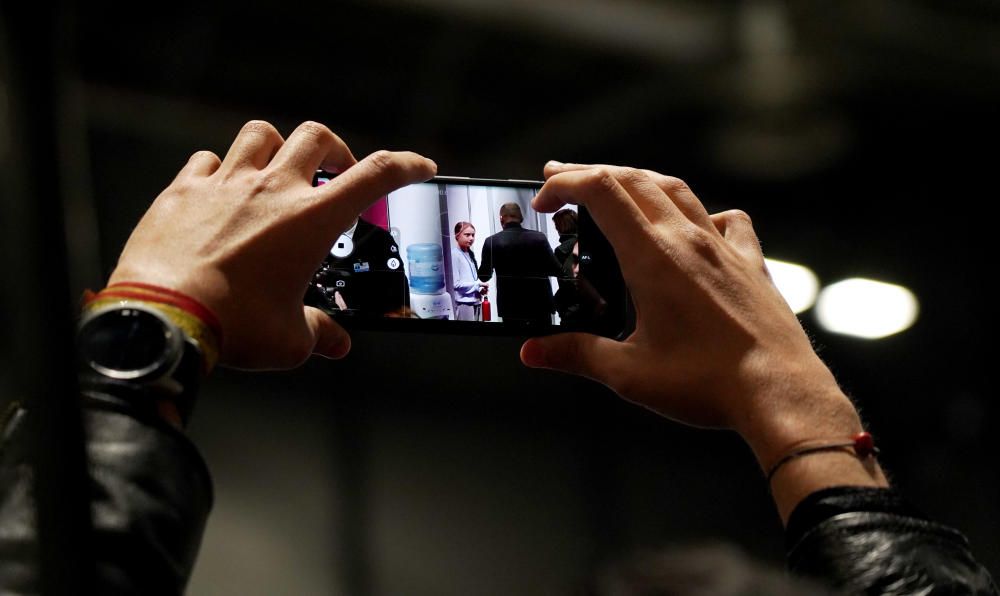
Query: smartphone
pixel 470 256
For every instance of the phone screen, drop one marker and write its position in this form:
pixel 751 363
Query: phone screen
pixel 469 255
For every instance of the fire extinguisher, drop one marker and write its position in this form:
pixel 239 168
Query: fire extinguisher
pixel 486 308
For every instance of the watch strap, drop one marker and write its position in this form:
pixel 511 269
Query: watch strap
pixel 176 394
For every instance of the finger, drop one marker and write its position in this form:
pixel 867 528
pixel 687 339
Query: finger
pixel 254 147
pixel 655 203
pixel 330 340
pixel 310 146
pixel 679 193
pixel 202 163
pixel 582 354
pixel 374 176
pixel 651 198
pixel 682 196
pixel 736 227
pixel 553 167
pixel 612 207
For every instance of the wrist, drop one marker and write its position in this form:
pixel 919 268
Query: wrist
pixel 149 345
pixel 200 283
pixel 197 323
pixel 800 409
pixel 800 404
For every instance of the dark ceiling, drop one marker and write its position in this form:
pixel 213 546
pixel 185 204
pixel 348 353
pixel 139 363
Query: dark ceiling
pixel 860 136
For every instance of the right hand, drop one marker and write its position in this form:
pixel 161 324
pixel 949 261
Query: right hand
pixel 715 344
pixel 245 234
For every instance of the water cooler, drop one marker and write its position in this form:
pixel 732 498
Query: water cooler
pixel 428 297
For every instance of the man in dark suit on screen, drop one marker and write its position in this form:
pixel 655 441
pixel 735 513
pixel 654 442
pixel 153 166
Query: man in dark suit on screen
pixel 523 262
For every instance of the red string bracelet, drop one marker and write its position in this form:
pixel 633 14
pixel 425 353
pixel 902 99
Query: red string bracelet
pixel 166 296
pixel 862 444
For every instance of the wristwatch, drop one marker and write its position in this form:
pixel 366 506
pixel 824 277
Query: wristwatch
pixel 139 349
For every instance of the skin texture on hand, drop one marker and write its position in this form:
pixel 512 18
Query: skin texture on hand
pixel 715 344
pixel 243 235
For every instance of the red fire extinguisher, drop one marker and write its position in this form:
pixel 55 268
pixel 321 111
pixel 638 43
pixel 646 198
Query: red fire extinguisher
pixel 486 308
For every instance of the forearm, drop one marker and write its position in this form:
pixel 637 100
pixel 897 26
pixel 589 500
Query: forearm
pixel 466 288
pixel 844 526
pixel 486 265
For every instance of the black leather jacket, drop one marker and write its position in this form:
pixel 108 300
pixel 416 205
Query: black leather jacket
pixel 152 495
pixel 869 541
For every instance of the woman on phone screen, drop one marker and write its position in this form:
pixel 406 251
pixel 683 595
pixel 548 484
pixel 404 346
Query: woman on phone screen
pixel 467 288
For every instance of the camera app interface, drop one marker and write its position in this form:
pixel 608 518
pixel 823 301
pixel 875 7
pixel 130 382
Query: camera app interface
pixel 460 252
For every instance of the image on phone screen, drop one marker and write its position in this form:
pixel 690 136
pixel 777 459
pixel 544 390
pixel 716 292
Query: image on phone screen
pixel 470 255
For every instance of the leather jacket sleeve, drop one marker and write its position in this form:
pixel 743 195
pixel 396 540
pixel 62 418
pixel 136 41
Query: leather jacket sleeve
pixel 869 541
pixel 151 495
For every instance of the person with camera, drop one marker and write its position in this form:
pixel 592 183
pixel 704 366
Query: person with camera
pixel 715 346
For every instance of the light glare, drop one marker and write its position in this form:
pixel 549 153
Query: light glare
pixel 798 285
pixel 866 308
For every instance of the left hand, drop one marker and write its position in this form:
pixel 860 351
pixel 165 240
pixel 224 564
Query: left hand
pixel 715 344
pixel 245 234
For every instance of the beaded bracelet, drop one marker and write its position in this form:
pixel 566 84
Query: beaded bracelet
pixel 861 445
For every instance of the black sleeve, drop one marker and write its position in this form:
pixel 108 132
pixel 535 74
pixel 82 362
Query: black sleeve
pixel 869 541
pixel 554 267
pixel 151 494
pixel 486 261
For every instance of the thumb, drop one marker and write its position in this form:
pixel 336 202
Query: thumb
pixel 330 340
pixel 582 354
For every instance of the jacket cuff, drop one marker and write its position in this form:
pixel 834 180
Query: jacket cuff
pixel 830 502
pixel 869 541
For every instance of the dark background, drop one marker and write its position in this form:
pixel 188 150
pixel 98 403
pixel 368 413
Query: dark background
pixel 859 135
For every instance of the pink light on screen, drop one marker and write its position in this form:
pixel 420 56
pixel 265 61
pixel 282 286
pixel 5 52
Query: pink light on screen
pixel 378 214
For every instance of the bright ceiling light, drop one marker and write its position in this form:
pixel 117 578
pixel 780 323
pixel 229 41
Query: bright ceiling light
pixel 797 284
pixel 866 308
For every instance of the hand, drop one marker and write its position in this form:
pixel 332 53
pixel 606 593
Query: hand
pixel 339 301
pixel 244 236
pixel 484 288
pixel 715 343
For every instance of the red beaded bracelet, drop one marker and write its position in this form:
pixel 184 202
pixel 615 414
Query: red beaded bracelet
pixel 862 444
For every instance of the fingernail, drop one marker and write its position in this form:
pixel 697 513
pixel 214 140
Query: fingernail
pixel 554 163
pixel 343 347
pixel 533 354
pixel 338 349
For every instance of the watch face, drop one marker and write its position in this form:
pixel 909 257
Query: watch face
pixel 129 343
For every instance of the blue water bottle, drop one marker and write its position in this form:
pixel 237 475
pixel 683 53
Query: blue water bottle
pixel 426 266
